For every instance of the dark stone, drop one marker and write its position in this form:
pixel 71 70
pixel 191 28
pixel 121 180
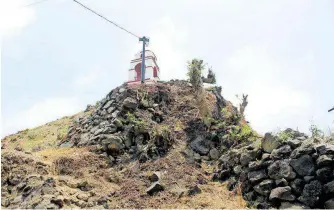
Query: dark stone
pixel 264 187
pixel 297 186
pixel 265 156
pixel 304 149
pixel 281 182
pixel 246 186
pixel 250 196
pixel 324 160
pixel 197 157
pixel 154 177
pixel 266 163
pixel 214 154
pixel 263 205
pixel 329 204
pixel 247 156
pixel 307 179
pixel 257 176
pixel 270 142
pixel 294 143
pixel 325 149
pixel 154 188
pixel 311 193
pixel 281 152
pixel 280 169
pixel 130 103
pixel 281 193
pixel 200 145
pixel 194 190
pixel 237 169
pixel 329 187
pixel 224 174
pixel 324 174
pixel 303 166
pixel 254 165
pixel 232 182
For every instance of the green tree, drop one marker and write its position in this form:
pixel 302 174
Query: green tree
pixel 211 76
pixel 195 68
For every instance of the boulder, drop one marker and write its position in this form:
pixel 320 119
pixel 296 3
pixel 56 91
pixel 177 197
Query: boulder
pixel 304 149
pixel 111 109
pixel 200 145
pixel 154 188
pixel 307 179
pixel 281 193
pixel 255 165
pixel 247 156
pixel 130 103
pixel 303 166
pixel 257 176
pixel 214 154
pixel 329 187
pixel 311 193
pixel 324 174
pixel 325 160
pixel 270 142
pixel 113 144
pixel 107 105
pixel 293 143
pixel 329 204
pixel 281 152
pixel 237 169
pixel 264 187
pixel 297 186
pixel 281 182
pixel 324 149
pixel 280 169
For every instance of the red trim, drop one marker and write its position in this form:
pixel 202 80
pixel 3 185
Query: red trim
pixel 146 58
pixel 146 67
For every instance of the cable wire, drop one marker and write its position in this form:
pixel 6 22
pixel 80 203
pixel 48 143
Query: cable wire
pixel 105 18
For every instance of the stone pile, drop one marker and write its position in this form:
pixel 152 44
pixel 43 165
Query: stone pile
pixel 296 173
pixel 122 124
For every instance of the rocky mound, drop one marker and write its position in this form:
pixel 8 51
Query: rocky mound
pixel 288 173
pixel 142 122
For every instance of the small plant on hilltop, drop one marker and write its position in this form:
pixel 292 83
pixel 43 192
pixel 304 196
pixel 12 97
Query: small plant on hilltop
pixel 284 135
pixel 211 76
pixel 195 68
pixel 316 132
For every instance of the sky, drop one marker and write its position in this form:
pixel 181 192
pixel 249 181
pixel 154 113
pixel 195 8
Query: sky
pixel 57 57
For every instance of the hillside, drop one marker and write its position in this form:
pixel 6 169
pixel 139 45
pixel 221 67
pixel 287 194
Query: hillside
pixel 163 146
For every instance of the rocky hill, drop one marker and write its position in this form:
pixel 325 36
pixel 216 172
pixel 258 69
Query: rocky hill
pixel 163 146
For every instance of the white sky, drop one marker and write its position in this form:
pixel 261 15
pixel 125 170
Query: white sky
pixel 58 57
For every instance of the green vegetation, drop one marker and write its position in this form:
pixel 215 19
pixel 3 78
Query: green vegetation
pixel 243 133
pixel 284 135
pixel 316 132
pixel 211 77
pixel 140 125
pixel 195 68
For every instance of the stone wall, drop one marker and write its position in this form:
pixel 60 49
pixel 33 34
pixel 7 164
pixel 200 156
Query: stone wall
pixel 296 173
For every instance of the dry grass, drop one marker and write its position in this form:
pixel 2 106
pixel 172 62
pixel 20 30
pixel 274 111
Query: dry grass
pixel 214 195
pixel 40 138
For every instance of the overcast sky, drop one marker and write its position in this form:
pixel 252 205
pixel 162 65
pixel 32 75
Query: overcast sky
pixel 57 57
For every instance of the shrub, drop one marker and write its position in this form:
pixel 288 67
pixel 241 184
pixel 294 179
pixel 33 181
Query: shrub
pixel 195 68
pixel 316 132
pixel 211 76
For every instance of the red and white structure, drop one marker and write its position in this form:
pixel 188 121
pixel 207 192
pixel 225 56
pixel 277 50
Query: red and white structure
pixel 152 72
